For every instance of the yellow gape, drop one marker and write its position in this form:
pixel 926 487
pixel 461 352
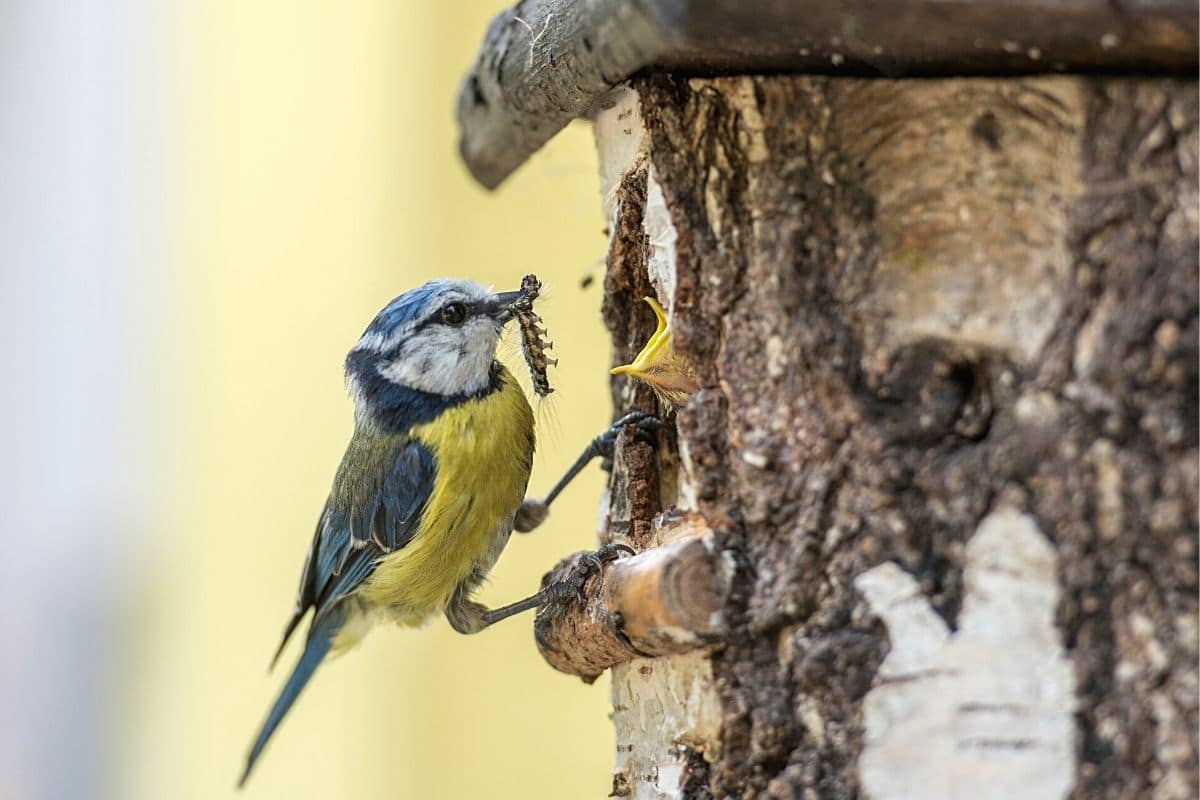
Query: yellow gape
pixel 660 367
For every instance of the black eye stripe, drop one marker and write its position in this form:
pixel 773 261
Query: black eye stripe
pixel 435 318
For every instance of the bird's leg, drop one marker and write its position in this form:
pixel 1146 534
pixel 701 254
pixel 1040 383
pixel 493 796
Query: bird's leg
pixel 533 512
pixel 463 613
pixel 564 589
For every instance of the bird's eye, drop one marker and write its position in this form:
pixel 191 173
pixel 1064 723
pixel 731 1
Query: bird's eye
pixel 454 313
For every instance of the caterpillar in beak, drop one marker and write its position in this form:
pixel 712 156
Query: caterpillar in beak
pixel 533 335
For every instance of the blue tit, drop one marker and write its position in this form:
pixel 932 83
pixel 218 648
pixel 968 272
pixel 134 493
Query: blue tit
pixel 429 487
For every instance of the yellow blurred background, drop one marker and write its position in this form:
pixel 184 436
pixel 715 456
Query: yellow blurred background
pixel 295 168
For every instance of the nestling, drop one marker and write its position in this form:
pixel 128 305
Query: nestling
pixel 659 366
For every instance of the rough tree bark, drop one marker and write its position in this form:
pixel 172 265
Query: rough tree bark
pixel 947 436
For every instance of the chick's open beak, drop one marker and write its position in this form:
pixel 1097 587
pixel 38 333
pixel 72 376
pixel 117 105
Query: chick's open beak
pixel 659 366
pixel 501 305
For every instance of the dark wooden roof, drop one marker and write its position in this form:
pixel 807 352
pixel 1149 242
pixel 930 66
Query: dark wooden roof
pixel 545 62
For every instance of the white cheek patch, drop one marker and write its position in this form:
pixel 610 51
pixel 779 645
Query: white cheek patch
pixel 445 360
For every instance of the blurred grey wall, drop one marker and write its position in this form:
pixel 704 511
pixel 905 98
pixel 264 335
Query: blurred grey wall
pixel 77 397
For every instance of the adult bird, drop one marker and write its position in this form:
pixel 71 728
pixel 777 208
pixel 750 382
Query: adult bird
pixel 431 483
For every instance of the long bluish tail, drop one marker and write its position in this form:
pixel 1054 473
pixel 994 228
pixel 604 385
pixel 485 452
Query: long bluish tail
pixel 315 650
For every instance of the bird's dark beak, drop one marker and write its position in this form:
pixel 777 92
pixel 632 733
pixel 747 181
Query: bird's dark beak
pixel 500 305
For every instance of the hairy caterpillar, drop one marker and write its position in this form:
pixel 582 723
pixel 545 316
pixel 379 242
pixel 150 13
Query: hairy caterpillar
pixel 533 332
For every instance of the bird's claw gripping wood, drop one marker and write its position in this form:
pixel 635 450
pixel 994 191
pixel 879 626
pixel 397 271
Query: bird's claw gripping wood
pixel 646 426
pixel 564 590
pixel 668 598
pixel 533 512
pixel 587 565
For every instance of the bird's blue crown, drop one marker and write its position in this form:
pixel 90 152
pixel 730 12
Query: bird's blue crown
pixel 412 306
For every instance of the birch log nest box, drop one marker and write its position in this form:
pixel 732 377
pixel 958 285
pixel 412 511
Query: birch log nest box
pixel 927 527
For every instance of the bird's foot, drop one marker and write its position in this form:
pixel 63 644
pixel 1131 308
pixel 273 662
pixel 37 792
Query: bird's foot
pixel 571 586
pixel 647 425
pixel 533 512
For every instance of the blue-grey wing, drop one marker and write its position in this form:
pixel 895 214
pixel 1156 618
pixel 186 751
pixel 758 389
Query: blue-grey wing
pixel 357 528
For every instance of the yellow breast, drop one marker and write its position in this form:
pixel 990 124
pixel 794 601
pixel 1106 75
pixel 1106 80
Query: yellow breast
pixel 484 452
